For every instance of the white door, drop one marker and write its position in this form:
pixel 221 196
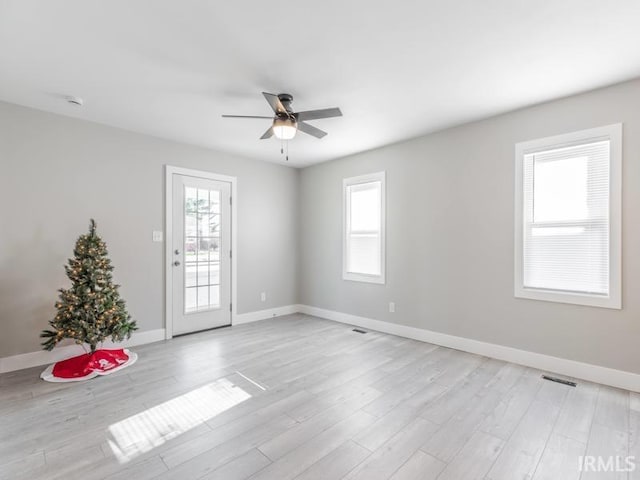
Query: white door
pixel 201 254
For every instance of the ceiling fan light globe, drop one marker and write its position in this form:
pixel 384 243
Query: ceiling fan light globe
pixel 284 132
pixel 284 129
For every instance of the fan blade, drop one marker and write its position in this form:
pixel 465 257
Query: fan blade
pixel 244 116
pixel 317 114
pixel 311 130
pixel 275 102
pixel 267 134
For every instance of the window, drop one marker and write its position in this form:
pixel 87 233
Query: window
pixel 364 219
pixel 568 196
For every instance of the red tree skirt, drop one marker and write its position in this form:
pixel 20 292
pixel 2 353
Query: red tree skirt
pixel 86 366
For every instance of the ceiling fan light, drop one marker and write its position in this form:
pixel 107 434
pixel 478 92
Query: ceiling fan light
pixel 284 128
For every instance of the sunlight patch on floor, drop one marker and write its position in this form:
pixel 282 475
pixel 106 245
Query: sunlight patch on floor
pixel 151 428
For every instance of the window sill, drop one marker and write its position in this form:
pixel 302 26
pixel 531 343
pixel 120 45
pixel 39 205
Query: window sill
pixel 360 277
pixel 611 301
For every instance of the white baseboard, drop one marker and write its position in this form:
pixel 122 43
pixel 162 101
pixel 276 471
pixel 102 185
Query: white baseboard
pixel 563 366
pixel 42 357
pixel 249 317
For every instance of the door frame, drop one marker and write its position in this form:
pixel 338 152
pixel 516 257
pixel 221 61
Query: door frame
pixel 170 170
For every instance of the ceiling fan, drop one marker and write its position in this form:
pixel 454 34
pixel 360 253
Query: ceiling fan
pixel 286 122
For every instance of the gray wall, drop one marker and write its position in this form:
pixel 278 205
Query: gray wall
pixel 450 210
pixel 58 172
pixel 449 227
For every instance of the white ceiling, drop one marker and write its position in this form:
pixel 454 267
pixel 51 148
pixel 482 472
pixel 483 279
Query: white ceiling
pixel 399 69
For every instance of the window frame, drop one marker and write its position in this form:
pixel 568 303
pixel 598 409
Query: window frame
pixel 347 182
pixel 613 133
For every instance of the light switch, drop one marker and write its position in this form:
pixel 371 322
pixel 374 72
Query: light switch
pixel 157 235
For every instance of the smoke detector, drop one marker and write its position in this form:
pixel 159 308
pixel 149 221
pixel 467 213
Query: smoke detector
pixel 77 101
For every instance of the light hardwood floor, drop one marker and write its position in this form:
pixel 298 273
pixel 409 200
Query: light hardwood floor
pixel 298 397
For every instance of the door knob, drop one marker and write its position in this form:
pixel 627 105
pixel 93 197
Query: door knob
pixel 176 263
pixel 177 252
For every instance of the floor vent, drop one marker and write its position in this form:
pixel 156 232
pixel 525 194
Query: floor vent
pixel 559 380
pixel 357 330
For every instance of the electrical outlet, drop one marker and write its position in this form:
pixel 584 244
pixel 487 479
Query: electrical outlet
pixel 392 307
pixel 156 236
pixel 263 296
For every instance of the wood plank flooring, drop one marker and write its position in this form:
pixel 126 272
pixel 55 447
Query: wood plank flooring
pixel 301 398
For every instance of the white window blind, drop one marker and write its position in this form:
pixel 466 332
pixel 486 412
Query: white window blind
pixel 364 228
pixel 566 242
pixel 566 221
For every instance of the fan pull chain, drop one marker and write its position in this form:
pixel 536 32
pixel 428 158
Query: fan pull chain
pixel 287 150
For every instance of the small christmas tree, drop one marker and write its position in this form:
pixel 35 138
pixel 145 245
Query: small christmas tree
pixel 91 310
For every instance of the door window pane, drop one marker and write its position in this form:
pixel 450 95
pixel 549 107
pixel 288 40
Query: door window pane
pixel 190 301
pixel 214 224
pixel 190 249
pixel 203 274
pixel 203 297
pixel 190 279
pixel 202 249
